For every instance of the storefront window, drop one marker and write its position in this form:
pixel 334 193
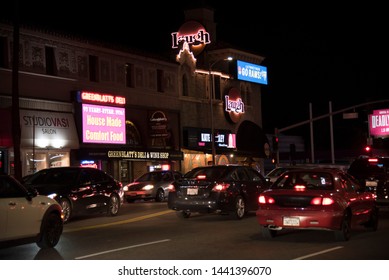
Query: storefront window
pixel 43 159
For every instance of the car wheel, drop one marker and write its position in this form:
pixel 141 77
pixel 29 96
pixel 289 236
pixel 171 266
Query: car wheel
pixel 160 196
pixel 344 233
pixel 114 205
pixel 373 221
pixel 66 209
pixel 183 214
pixel 240 208
pixel 51 231
pixel 268 233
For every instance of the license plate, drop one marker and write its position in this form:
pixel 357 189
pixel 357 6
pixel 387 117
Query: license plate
pixel 288 221
pixel 371 184
pixel 192 191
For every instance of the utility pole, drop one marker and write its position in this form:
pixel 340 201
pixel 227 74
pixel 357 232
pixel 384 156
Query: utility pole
pixel 16 131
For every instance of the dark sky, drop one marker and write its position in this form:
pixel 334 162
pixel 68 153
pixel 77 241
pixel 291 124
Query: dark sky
pixel 315 53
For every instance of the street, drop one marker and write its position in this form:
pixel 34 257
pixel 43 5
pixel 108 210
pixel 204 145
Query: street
pixel 150 231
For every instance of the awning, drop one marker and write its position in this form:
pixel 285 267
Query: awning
pixel 45 129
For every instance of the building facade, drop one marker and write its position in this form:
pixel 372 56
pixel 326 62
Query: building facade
pixel 126 111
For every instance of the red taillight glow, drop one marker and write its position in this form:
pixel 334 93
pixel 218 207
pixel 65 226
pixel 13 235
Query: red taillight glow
pixel 322 201
pixel 262 199
pixel 201 177
pixel 220 187
pixel 372 160
pixel 299 187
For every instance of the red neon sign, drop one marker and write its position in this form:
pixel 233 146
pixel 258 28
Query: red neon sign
pixel 102 98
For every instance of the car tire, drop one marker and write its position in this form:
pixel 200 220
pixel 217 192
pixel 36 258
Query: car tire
pixel 66 209
pixel 239 208
pixel 51 230
pixel 344 233
pixel 160 196
pixel 113 205
pixel 268 233
pixel 183 214
pixel 373 221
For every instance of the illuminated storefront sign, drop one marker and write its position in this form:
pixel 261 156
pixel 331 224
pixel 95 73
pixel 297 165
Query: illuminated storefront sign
pixel 192 33
pixel 103 124
pixel 379 123
pixel 198 138
pixel 95 97
pixel 233 105
pixel 251 72
pixel 145 155
pixel 45 129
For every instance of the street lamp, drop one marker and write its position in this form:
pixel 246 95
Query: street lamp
pixel 212 90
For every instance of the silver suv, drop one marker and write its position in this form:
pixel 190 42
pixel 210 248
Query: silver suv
pixel 27 217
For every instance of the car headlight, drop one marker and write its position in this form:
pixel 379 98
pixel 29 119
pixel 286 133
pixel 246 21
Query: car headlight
pixel 52 196
pixel 148 187
pixel 125 188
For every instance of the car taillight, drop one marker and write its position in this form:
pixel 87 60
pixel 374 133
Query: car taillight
pixel 220 187
pixel 299 187
pixel 322 201
pixel 263 199
pixel 201 177
pixel 171 188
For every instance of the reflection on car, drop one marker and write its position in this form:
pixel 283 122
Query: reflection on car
pixel 221 188
pixel 79 190
pixel 151 185
pixel 316 198
pixel 27 217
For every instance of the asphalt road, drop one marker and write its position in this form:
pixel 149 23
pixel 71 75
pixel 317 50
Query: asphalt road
pixel 149 231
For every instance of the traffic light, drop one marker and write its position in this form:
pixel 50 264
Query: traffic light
pixel 368 150
pixel 275 143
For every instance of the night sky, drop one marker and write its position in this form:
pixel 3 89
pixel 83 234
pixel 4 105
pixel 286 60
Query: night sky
pixel 315 53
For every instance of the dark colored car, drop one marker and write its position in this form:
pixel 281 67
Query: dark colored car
pixel 27 217
pixel 79 190
pixel 319 199
pixel 151 185
pixel 373 173
pixel 221 188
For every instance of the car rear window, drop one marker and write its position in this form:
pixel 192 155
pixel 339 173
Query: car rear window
pixel 207 172
pixel 311 180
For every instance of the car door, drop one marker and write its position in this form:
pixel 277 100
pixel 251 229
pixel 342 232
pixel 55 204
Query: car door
pixel 359 201
pixel 20 217
pixel 249 187
pixel 102 187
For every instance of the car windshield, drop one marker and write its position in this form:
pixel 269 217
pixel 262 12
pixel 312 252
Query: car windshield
pixel 207 172
pixel 310 180
pixel 154 176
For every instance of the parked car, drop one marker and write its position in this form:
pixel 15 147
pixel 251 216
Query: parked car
pixel 222 188
pixel 316 198
pixel 79 190
pixel 151 185
pixel 27 217
pixel 373 173
pixel 273 174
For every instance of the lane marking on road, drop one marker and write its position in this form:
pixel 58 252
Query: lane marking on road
pixel 319 253
pixel 121 249
pixel 136 219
